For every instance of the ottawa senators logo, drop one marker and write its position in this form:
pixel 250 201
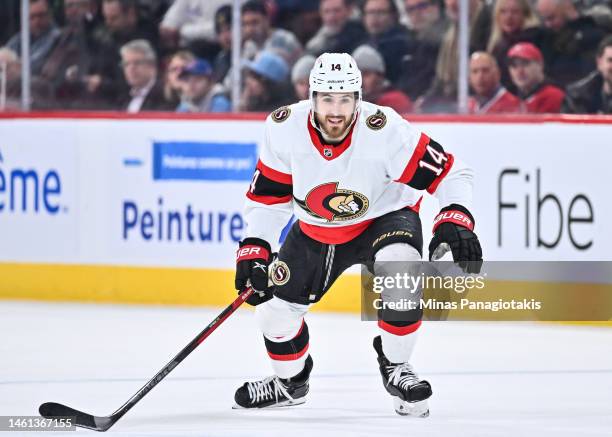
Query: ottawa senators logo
pixel 328 202
pixel 280 273
pixel 376 121
pixel 281 114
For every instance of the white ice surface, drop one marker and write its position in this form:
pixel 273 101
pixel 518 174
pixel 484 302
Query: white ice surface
pixel 489 379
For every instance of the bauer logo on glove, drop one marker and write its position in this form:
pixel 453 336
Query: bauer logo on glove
pixel 252 261
pixel 453 230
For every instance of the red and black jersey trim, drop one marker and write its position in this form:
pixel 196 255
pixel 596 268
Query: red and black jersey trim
pixel 428 165
pixel 292 349
pixel 270 186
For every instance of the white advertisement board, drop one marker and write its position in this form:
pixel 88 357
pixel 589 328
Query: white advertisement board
pixel 540 191
pixel 170 192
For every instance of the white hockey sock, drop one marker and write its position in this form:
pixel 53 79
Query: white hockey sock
pixel 287 369
pixel 398 348
pixel 286 335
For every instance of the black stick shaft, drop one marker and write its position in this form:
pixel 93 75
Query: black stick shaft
pixel 183 354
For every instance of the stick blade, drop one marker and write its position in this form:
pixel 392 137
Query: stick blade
pixel 84 420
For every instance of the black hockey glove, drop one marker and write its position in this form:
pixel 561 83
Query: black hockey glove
pixel 252 261
pixel 453 225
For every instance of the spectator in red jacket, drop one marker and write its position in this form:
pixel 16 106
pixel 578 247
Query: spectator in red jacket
pixel 376 88
pixel 537 94
pixel 489 96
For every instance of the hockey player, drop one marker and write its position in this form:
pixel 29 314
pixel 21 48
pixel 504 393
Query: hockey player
pixel 353 173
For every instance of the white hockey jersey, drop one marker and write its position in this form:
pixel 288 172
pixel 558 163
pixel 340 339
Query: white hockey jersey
pixel 384 164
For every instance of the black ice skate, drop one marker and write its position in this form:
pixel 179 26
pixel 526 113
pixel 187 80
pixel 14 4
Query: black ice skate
pixel 275 392
pixel 409 392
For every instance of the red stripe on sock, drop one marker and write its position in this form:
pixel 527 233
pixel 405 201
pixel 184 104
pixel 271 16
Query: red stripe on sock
pixel 289 357
pixel 399 330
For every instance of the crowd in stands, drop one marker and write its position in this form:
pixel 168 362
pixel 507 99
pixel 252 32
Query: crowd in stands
pixel 526 56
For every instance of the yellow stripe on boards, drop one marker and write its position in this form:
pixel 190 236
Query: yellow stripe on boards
pixel 183 286
pixel 144 285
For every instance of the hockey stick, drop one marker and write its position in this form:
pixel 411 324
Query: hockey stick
pixel 102 423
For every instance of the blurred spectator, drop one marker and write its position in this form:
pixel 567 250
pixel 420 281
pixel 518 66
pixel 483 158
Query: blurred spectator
pixel 300 75
pixel 599 10
pixel 43 35
pixel 101 83
pixel 173 85
pixel 265 86
pixel 223 30
pixel 301 17
pixel 514 21
pixel 573 40
pixel 123 24
pixel 442 95
pixel 258 35
pixel 10 80
pixel 139 63
pixel 425 17
pixel 593 94
pixel 78 11
pixel 428 25
pixel 376 88
pixel 489 96
pixel 338 33
pixel 10 70
pixel 9 19
pixel 387 35
pixel 537 94
pixel 73 50
pixel 189 20
pixel 200 92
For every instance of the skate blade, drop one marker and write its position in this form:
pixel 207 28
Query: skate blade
pixel 411 409
pixel 284 404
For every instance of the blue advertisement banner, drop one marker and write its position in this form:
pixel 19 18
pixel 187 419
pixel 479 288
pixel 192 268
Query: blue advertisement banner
pixel 180 160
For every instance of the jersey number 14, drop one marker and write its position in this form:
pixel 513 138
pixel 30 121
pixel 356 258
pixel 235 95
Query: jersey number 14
pixel 437 157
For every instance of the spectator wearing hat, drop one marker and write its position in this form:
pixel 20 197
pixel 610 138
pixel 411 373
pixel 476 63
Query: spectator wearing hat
pixel 514 21
pixel 258 34
pixel 537 94
pixel 573 40
pixel 593 94
pixel 376 88
pixel 200 92
pixel 173 85
pixel 265 83
pixel 223 30
pixel 139 64
pixel 489 96
pixel 339 33
pixel 300 74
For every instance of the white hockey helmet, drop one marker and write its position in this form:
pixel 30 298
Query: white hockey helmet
pixel 335 73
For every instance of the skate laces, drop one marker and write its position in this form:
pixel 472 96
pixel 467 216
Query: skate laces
pixel 401 375
pixel 266 389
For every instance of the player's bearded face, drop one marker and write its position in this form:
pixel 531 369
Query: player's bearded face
pixel 334 112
